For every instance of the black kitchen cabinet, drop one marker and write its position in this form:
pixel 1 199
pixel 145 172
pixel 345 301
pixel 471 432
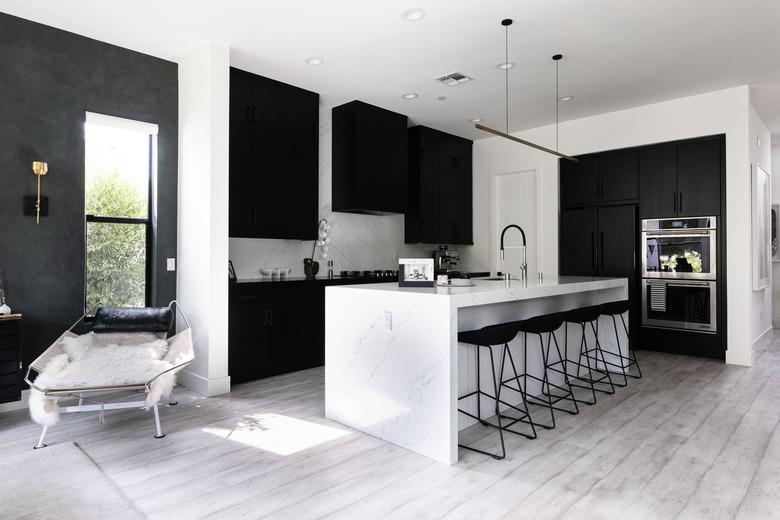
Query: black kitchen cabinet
pixel 276 327
pixel 10 358
pixel 601 241
pixel 580 180
pixel 698 177
pixel 618 176
pixel 600 178
pixel 578 248
pixel 681 179
pixel 658 181
pixel 274 181
pixel 369 160
pixel 440 188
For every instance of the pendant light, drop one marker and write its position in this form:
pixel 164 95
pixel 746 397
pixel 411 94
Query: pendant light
pixel 506 23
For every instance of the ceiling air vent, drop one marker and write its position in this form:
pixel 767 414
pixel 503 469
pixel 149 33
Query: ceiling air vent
pixel 454 79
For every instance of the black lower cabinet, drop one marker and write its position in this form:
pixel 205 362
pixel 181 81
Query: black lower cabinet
pixel 277 327
pixel 10 359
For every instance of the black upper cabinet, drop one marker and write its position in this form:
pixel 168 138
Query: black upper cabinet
pixel 273 159
pixel 370 162
pixel 580 180
pixel 658 181
pixel 302 114
pixel 618 176
pixel 605 177
pixel 440 189
pixel 681 179
pixel 698 178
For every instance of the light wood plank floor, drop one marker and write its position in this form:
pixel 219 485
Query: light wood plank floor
pixel 693 439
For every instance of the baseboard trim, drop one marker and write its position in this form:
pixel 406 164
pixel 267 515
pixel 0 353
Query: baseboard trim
pixel 16 405
pixel 204 386
pixel 764 339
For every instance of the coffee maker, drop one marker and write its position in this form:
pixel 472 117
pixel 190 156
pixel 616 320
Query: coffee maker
pixel 446 260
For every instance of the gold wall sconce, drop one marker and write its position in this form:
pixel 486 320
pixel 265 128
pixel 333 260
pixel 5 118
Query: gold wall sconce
pixel 39 169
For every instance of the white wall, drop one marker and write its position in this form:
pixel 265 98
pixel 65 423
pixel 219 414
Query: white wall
pixel 760 145
pixel 775 265
pixel 721 112
pixel 357 241
pixel 204 85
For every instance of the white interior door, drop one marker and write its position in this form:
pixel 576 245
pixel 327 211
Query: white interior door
pixel 514 201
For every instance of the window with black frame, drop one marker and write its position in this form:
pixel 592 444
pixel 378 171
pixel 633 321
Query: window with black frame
pixel 120 157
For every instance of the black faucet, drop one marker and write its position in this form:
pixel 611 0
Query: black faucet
pixel 524 265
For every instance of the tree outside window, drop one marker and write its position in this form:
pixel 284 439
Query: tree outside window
pixel 118 167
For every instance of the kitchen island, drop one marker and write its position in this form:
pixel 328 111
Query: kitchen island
pixel 393 364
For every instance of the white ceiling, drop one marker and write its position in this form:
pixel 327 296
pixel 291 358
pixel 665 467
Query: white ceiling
pixel 618 53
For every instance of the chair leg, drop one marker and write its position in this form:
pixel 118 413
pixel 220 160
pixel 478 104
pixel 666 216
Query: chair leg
pixel 545 378
pixel 498 410
pixel 584 351
pixel 525 411
pixel 631 353
pixel 620 354
pixel 600 352
pixel 172 400
pixel 40 440
pixel 565 379
pixel 160 434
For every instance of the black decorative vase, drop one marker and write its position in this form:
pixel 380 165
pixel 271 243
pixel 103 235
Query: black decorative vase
pixel 310 268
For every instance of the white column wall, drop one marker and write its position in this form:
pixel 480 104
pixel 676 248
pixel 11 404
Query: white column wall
pixel 721 112
pixel 204 87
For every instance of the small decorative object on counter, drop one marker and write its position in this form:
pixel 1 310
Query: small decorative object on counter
pixel 443 279
pixel 330 268
pixel 310 266
pixel 416 272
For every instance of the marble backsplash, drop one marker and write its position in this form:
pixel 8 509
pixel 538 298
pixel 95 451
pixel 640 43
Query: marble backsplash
pixel 356 241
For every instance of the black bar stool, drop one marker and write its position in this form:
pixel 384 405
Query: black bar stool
pixel 596 376
pixel 613 310
pixel 539 325
pixel 488 337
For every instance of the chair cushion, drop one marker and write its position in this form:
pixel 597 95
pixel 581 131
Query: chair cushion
pixel 132 319
pixel 541 324
pixel 618 307
pixel 490 335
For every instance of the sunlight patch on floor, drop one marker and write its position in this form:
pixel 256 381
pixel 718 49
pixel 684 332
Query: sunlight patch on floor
pixel 278 433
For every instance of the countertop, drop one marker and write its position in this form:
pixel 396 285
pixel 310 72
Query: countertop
pixel 485 292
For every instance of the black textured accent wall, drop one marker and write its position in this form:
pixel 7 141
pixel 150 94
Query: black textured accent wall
pixel 49 78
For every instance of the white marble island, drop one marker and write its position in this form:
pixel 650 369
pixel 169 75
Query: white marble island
pixel 393 365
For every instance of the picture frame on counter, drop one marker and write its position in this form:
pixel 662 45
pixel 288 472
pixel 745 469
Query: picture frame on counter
pixel 416 272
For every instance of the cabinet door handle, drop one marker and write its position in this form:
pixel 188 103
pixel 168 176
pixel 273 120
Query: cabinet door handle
pixel 254 110
pixel 675 202
pixel 593 250
pixel 681 201
pixel 271 317
pixel 246 117
pixel 601 238
pixel 597 188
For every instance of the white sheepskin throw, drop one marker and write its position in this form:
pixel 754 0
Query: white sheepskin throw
pixel 102 360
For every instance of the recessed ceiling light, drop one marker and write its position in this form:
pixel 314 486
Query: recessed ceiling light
pixel 566 98
pixel 475 120
pixel 441 98
pixel 505 65
pixel 413 15
pixel 409 95
pixel 315 61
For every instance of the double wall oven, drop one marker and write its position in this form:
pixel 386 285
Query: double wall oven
pixel 679 273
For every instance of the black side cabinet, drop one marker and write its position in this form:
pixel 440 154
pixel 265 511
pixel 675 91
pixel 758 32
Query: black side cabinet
pixel 10 358
pixel 440 188
pixel 369 159
pixel 274 180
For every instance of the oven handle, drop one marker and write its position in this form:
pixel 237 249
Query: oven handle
pixel 686 283
pixel 678 234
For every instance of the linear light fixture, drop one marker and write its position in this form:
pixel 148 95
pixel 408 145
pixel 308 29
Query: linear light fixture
pixel 506 23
